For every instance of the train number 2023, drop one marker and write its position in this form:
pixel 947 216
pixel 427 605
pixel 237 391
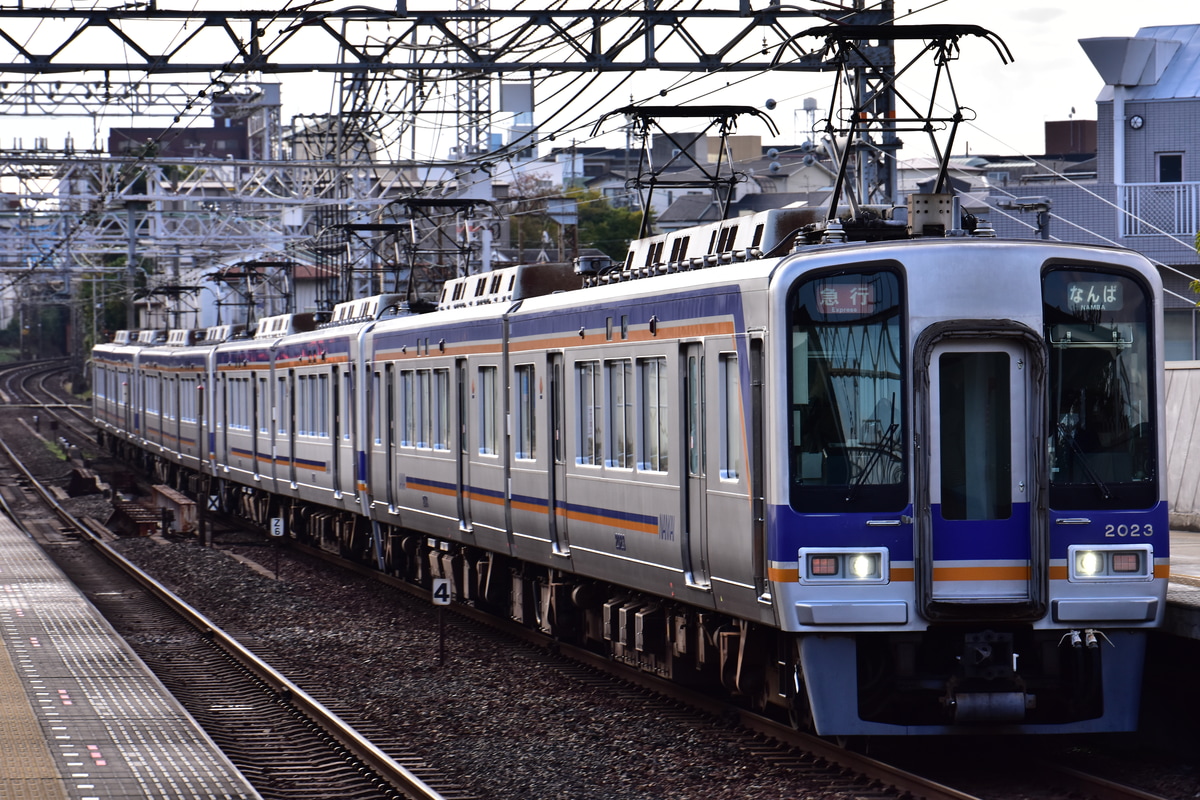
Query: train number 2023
pixel 1128 531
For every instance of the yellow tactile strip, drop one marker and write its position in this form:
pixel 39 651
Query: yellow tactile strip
pixel 26 768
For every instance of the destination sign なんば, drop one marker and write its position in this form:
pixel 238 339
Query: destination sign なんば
pixel 1095 296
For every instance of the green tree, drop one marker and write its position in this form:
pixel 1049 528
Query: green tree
pixel 604 227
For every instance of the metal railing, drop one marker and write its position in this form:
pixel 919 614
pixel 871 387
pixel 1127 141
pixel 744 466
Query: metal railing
pixel 1160 209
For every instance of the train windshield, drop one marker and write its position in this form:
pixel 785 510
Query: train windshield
pixel 1102 446
pixel 846 390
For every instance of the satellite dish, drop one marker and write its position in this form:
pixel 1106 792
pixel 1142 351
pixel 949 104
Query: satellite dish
pixel 774 166
pixel 809 160
pixel 770 104
pixel 772 153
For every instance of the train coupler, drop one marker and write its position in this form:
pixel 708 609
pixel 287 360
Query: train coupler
pixel 989 706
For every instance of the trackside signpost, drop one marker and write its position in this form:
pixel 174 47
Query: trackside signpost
pixel 441 597
pixel 276 537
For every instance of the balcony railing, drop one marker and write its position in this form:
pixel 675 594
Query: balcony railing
pixel 1157 209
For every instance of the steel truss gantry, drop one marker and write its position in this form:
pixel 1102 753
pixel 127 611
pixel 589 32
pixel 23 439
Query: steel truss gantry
pixel 573 36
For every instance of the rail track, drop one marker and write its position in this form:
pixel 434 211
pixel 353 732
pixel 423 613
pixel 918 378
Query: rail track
pixel 285 741
pixel 773 741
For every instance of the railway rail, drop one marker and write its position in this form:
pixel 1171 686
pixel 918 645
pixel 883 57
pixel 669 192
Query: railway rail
pixel 278 735
pixel 772 740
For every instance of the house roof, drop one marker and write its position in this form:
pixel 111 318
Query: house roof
pixel 1180 80
pixel 690 209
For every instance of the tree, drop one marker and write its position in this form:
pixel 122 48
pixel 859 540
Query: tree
pixel 604 227
pixel 598 223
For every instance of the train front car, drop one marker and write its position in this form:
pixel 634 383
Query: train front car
pixel 968 529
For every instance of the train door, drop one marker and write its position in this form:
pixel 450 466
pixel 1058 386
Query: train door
pixel 695 482
pixel 265 429
pixel 980 473
pixel 389 425
pixel 557 474
pixel 126 400
pixel 286 424
pixel 343 425
pixel 176 425
pixel 462 388
pixel 335 433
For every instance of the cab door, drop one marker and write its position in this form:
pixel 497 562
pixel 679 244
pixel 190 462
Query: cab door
pixel 981 531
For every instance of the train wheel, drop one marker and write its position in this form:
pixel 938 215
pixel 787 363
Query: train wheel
pixel 799 710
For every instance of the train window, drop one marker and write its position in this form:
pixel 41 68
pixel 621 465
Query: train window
pixel 239 404
pixel 408 411
pixel 187 399
pixel 489 413
pixel 264 405
pixel 525 418
pixel 730 406
pixel 303 405
pixel 441 409
pixel 846 387
pixel 150 392
pixel 281 406
pixel 589 420
pixel 1103 438
pixel 652 385
pixel 424 409
pixel 976 424
pixel 321 425
pixel 619 383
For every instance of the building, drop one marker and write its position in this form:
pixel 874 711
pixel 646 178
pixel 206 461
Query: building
pixel 1142 190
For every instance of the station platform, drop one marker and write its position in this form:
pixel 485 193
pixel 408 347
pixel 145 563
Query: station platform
pixel 1183 594
pixel 81 717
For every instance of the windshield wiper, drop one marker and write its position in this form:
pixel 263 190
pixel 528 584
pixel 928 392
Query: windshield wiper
pixel 1083 462
pixel 884 445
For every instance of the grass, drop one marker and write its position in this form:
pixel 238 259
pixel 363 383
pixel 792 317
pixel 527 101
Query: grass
pixel 56 449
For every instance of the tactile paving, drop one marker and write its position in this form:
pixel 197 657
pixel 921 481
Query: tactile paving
pixel 80 716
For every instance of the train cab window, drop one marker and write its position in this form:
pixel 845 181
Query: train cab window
pixel 846 388
pixel 1103 441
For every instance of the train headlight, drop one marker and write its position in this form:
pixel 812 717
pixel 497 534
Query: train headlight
pixel 1088 563
pixel 825 565
pixel 864 566
pixel 1131 562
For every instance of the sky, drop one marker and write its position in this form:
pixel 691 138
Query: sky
pixel 1050 75
pixel 1050 78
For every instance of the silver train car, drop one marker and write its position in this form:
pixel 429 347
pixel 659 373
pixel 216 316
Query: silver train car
pixel 913 485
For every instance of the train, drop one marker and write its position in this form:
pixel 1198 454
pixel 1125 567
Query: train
pixel 884 473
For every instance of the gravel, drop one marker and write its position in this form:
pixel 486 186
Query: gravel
pixel 499 718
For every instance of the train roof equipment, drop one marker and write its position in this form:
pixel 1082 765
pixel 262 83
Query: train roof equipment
pixel 508 285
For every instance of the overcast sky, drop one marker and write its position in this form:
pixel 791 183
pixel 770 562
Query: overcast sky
pixel 1049 79
pixel 1050 73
